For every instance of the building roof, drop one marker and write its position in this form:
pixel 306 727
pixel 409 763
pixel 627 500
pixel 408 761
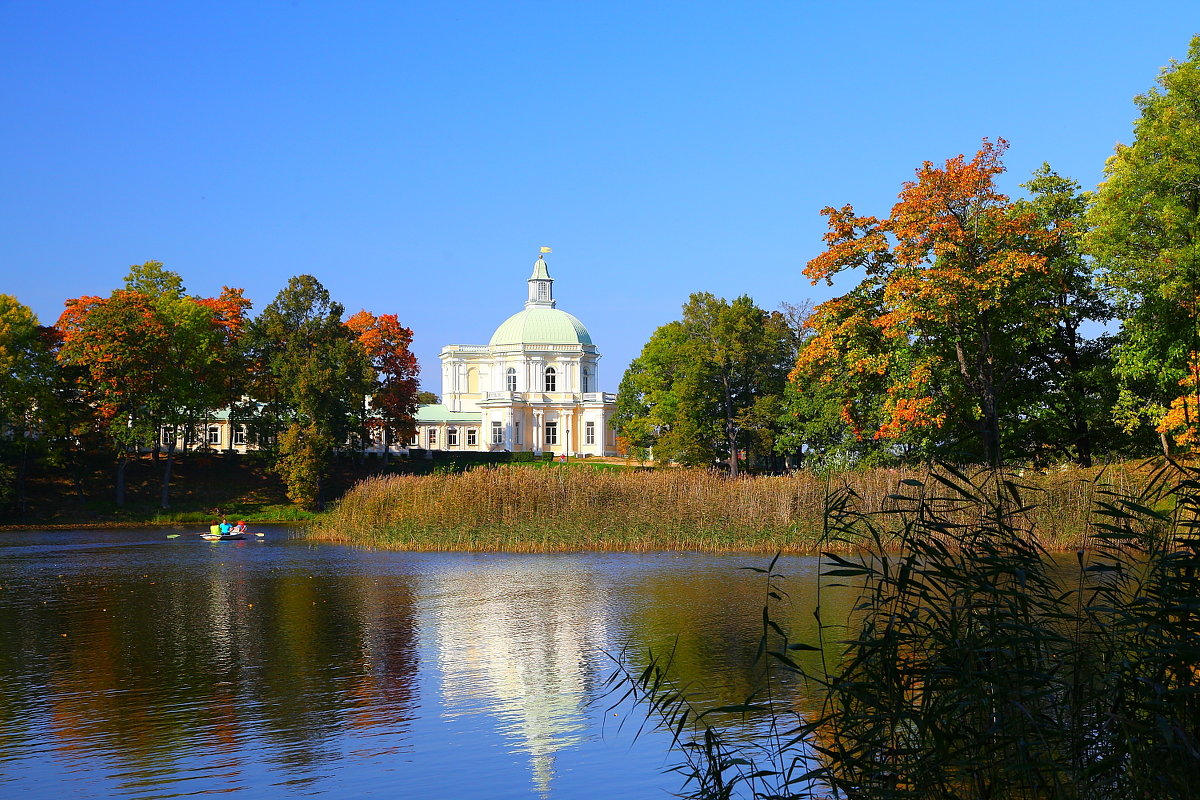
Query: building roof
pixel 541 325
pixel 436 412
pixel 540 271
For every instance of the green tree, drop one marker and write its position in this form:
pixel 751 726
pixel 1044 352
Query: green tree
pixel 1145 235
pixel 27 377
pixel 1068 392
pixel 709 385
pixel 311 379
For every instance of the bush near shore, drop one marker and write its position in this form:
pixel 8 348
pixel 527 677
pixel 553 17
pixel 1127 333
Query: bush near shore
pixel 517 509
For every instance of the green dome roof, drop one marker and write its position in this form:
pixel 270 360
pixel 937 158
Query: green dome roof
pixel 541 326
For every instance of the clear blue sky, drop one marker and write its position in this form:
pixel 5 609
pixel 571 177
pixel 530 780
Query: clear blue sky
pixel 414 155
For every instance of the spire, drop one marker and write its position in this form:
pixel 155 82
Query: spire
pixel 541 285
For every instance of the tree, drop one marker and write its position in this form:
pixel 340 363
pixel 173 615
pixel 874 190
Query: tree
pixel 310 380
pixel 709 385
pixel 1068 391
pixel 1145 221
pixel 394 398
pixel 152 359
pixel 121 343
pixel 27 376
pixel 956 290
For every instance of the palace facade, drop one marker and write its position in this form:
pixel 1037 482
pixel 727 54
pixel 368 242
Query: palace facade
pixel 534 387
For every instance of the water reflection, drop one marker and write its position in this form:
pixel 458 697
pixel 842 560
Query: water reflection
pixel 134 666
pixel 523 647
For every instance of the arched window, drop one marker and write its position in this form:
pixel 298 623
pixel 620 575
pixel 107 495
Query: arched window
pixel 585 380
pixel 551 378
pixel 510 379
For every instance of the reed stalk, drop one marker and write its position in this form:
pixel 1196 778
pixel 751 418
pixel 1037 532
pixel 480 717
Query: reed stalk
pixel 974 665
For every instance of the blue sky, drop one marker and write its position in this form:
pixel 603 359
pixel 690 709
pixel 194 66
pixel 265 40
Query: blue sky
pixel 414 155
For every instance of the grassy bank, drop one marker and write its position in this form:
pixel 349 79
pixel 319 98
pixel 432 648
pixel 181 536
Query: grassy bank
pixel 516 509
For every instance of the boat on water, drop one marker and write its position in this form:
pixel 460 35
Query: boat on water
pixel 223 537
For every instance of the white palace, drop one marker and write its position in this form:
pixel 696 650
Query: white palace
pixel 534 387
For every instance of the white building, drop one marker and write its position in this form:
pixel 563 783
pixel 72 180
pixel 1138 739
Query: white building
pixel 534 387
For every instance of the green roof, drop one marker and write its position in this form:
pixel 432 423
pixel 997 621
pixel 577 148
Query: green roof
pixel 436 412
pixel 541 326
pixel 540 273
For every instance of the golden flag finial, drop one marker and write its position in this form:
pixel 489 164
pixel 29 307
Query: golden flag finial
pixel 545 250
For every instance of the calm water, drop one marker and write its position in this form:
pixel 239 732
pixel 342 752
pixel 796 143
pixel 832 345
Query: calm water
pixel 136 666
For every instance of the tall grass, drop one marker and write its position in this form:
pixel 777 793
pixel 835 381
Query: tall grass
pixel 516 508
pixel 974 664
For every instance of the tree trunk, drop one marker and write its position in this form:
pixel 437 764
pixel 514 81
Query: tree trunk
pixel 1083 441
pixel 165 496
pixel 1166 444
pixel 22 467
pixel 122 461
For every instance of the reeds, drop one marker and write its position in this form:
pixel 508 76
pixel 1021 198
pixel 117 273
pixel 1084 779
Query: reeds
pixel 518 509
pixel 974 664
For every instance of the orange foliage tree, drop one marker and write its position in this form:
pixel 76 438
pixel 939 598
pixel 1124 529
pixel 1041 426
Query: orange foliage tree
pixel 387 344
pixel 956 286
pixel 153 358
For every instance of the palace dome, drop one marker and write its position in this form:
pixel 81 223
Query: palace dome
pixel 540 325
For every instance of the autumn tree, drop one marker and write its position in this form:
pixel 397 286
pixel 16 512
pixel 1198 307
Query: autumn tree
pixel 152 359
pixel 394 396
pixel 709 385
pixel 1145 221
pixel 311 376
pixel 955 291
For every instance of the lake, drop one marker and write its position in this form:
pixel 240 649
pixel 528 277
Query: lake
pixel 137 666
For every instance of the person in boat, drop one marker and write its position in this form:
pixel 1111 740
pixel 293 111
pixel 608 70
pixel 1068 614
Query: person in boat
pixel 215 528
pixel 240 527
pixel 225 527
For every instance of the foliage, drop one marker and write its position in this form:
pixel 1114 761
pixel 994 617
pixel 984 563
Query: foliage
pixel 958 286
pixel 1145 221
pixel 153 358
pixel 973 665
pixel 310 379
pixel 303 462
pixel 708 385
pixel 386 342
pixel 1066 393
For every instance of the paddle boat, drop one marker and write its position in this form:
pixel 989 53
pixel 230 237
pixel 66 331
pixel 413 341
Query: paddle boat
pixel 224 537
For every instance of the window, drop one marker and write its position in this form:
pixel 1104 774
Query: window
pixel 510 380
pixel 543 290
pixel 166 436
pixel 415 441
pixel 432 437
pixel 589 433
pixel 586 380
pixel 239 435
pixel 471 437
pixel 497 433
pixel 516 433
pixel 551 433
pixel 551 378
pixel 452 437
pixel 214 434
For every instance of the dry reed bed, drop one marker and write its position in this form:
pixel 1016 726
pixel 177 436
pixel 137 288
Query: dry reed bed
pixel 519 509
